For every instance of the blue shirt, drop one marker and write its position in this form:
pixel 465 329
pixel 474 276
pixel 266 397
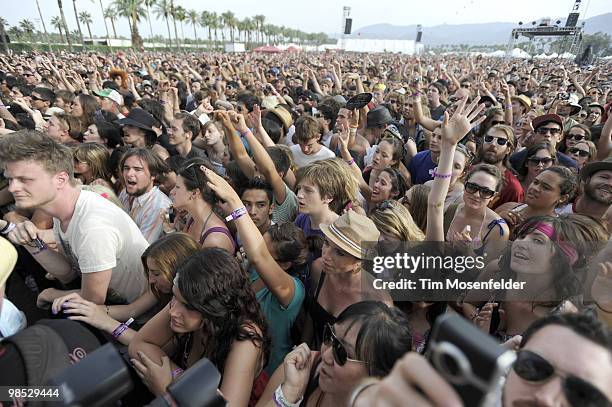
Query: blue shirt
pixel 280 320
pixel 421 167
pixel 516 160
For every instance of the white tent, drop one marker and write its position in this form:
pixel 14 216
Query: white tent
pixel 519 53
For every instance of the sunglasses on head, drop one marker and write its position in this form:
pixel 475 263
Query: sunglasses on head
pixel 581 153
pixel 500 141
pixel 338 349
pixel 484 192
pixel 545 130
pixel 538 161
pixel 577 137
pixel 532 367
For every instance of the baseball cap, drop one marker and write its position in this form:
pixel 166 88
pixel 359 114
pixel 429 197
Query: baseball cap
pixel 111 94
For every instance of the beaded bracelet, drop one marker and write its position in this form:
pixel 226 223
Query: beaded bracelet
pixel 177 372
pixel 436 174
pixel 122 328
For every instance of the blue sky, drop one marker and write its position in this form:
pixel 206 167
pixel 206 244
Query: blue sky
pixel 326 16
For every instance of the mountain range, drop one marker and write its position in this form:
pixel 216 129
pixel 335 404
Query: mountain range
pixel 471 34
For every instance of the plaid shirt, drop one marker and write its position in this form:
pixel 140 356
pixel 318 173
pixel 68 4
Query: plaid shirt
pixel 146 211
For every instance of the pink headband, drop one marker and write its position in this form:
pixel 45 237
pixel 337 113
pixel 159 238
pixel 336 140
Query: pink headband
pixel 566 247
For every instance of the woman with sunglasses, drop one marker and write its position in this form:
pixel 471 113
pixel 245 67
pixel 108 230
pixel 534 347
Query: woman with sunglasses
pixel 353 349
pixel 583 153
pixel 574 135
pixel 473 220
pixel 192 196
pixel 538 158
pixel 213 313
pixel 551 189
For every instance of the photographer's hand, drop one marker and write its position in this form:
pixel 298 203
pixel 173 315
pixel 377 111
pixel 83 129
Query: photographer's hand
pixel 412 382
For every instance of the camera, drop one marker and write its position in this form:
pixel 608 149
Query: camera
pixel 469 359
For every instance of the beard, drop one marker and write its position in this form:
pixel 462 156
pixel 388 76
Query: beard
pixel 591 191
pixel 489 157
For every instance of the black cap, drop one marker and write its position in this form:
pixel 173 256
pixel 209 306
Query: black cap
pixel 377 117
pixel 138 118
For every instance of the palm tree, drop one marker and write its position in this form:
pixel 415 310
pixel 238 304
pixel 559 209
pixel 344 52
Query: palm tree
pixel 105 25
pixel 61 9
pixel 173 14
pixel 85 18
pixel 229 20
pixel 180 15
pixel 57 23
pixel 133 10
pixel 111 14
pixel 259 23
pixel 206 21
pixel 162 9
pixel 15 32
pixel 27 27
pixel 42 20
pixel 148 4
pixel 3 23
pixel 194 19
pixel 76 17
pixel 215 21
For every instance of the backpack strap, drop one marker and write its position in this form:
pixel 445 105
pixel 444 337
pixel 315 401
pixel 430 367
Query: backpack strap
pixel 44 353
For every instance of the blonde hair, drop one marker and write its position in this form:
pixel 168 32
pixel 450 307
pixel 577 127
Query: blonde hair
pixel 397 221
pixel 333 179
pixel 96 156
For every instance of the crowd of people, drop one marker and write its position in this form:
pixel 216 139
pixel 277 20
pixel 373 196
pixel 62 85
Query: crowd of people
pixel 187 206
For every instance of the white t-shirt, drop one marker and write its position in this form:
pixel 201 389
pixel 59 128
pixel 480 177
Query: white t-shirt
pixel 102 236
pixel 302 160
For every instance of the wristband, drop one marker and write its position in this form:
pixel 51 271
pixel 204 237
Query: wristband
pixel 177 372
pixel 42 246
pixel 281 401
pixel 244 133
pixel 122 328
pixel 351 161
pixel 236 214
pixel 436 174
pixel 8 228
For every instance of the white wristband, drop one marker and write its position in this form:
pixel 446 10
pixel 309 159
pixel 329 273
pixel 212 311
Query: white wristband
pixel 280 399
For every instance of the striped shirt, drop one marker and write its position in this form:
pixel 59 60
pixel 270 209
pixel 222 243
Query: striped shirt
pixel 146 211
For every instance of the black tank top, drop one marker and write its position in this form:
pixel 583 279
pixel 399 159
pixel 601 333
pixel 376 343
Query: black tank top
pixel 320 317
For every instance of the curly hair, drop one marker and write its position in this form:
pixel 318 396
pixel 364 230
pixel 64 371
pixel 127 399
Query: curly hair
pixel 213 283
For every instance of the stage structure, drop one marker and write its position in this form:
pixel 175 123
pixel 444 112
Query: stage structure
pixel 545 29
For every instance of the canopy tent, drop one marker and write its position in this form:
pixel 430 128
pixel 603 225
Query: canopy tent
pixel 268 49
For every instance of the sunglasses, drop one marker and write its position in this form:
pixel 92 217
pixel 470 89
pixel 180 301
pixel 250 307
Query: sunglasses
pixel 581 153
pixel 465 85
pixel 545 130
pixel 338 349
pixel 34 97
pixel 537 161
pixel 500 141
pixel 524 79
pixel 496 122
pixel 484 192
pixel 532 367
pixel 394 101
pixel 577 137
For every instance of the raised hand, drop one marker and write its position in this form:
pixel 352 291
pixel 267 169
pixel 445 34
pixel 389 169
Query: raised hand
pixel 464 118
